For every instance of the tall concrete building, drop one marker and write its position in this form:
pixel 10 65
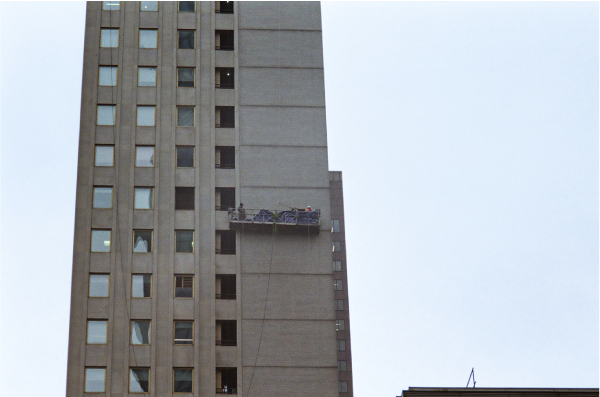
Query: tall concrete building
pixel 189 109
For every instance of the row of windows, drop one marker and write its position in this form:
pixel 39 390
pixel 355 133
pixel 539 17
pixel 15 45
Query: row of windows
pixel 104 156
pixel 183 332
pixel 186 77
pixel 225 241
pixel 139 380
pixel 141 286
pixel 186 39
pixel 146 116
pixel 222 7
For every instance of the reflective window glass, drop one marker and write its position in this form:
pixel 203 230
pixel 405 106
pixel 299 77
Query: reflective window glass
pixel 185 156
pixel 182 380
pixel 139 380
pixel 148 38
pixel 146 77
pixel 109 38
pixel 140 332
pixel 100 240
pixel 94 380
pixel 141 285
pixel 106 115
pixel 184 241
pixel 149 6
pixel 186 39
pixel 143 198
pixel 146 116
pixel 144 156
pixel 96 332
pixel 98 286
pixel 185 116
pixel 107 76
pixel 104 156
pixel 185 77
pixel 184 333
pixel 187 6
pixel 110 5
pixel 102 197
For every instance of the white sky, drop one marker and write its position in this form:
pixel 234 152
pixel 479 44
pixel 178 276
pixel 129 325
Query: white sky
pixel 468 138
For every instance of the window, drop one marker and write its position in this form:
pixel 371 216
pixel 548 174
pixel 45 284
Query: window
pixel 142 241
pixel 185 116
pixel 186 77
pixel 343 387
pixel 110 6
pixel 109 38
pixel 94 380
pixel 186 39
pixel 184 286
pixel 342 366
pixel 224 40
pixel 139 380
pixel 224 7
pixel 338 285
pixel 184 333
pixel 340 325
pixel 224 117
pixel 98 287
pixel 102 197
pixel 184 241
pixel 341 345
pixel 140 332
pixel 96 332
pixel 224 78
pixel 185 156
pixel 105 156
pixel 182 377
pixel 107 76
pixel 187 6
pixel 100 240
pixel 143 198
pixel 146 116
pixel 335 226
pixel 226 331
pixel 337 266
pixel 226 380
pixel 225 157
pixel 225 286
pixel 106 115
pixel 149 6
pixel 225 242
pixel 337 246
pixel 146 77
pixel 184 198
pixel 144 156
pixel 141 285
pixel 148 38
pixel 339 304
pixel 224 198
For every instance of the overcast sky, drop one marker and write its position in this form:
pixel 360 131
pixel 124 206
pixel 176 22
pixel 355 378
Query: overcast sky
pixel 467 134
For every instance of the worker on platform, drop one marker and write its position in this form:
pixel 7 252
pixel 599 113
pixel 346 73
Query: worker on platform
pixel 308 208
pixel 242 212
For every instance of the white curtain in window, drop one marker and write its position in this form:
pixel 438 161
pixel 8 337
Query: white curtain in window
pixel 140 332
pixel 141 245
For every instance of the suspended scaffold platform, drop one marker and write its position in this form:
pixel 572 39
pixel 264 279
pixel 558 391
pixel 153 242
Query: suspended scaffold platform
pixel 284 220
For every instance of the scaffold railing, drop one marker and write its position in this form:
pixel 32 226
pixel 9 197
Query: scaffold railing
pixel 271 217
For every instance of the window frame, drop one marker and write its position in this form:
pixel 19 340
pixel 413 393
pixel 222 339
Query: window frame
pixel 180 107
pixel 193 75
pixel 141 274
pixel 175 286
pixel 137 113
pixel 140 39
pixel 107 284
pixel 116 75
pixel 151 241
pixel 85 379
pixel 136 156
pixel 129 380
pixel 183 368
pixel 174 329
pixel 131 333
pixel 155 79
pixel 193 148
pixel 102 30
pixel 114 113
pixel 135 189
pixel 179 8
pixel 193 240
pixel 335 226
pixel 94 197
pixel 142 4
pixel 96 155
pixel 92 240
pixel 179 39
pixel 87 331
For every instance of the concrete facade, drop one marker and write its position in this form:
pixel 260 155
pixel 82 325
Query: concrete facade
pixel 284 307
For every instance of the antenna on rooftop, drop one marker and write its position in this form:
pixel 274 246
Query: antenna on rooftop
pixel 471 375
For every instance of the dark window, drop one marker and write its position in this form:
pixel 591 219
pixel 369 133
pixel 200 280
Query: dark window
pixel 182 377
pixel 224 117
pixel 225 157
pixel 335 226
pixel 142 241
pixel 185 156
pixel 184 198
pixel 226 333
pixel 225 242
pixel 224 40
pixel 342 366
pixel 184 333
pixel 187 6
pixel 228 380
pixel 139 380
pixel 341 345
pixel 224 198
pixel 224 7
pixel 337 246
pixel 184 241
pixel 224 78
pixel 186 39
pixel 339 304
pixel 338 285
pixel 340 325
pixel 184 286
pixel 343 387
pixel 185 77
pixel 225 286
pixel 337 266
pixel 185 116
